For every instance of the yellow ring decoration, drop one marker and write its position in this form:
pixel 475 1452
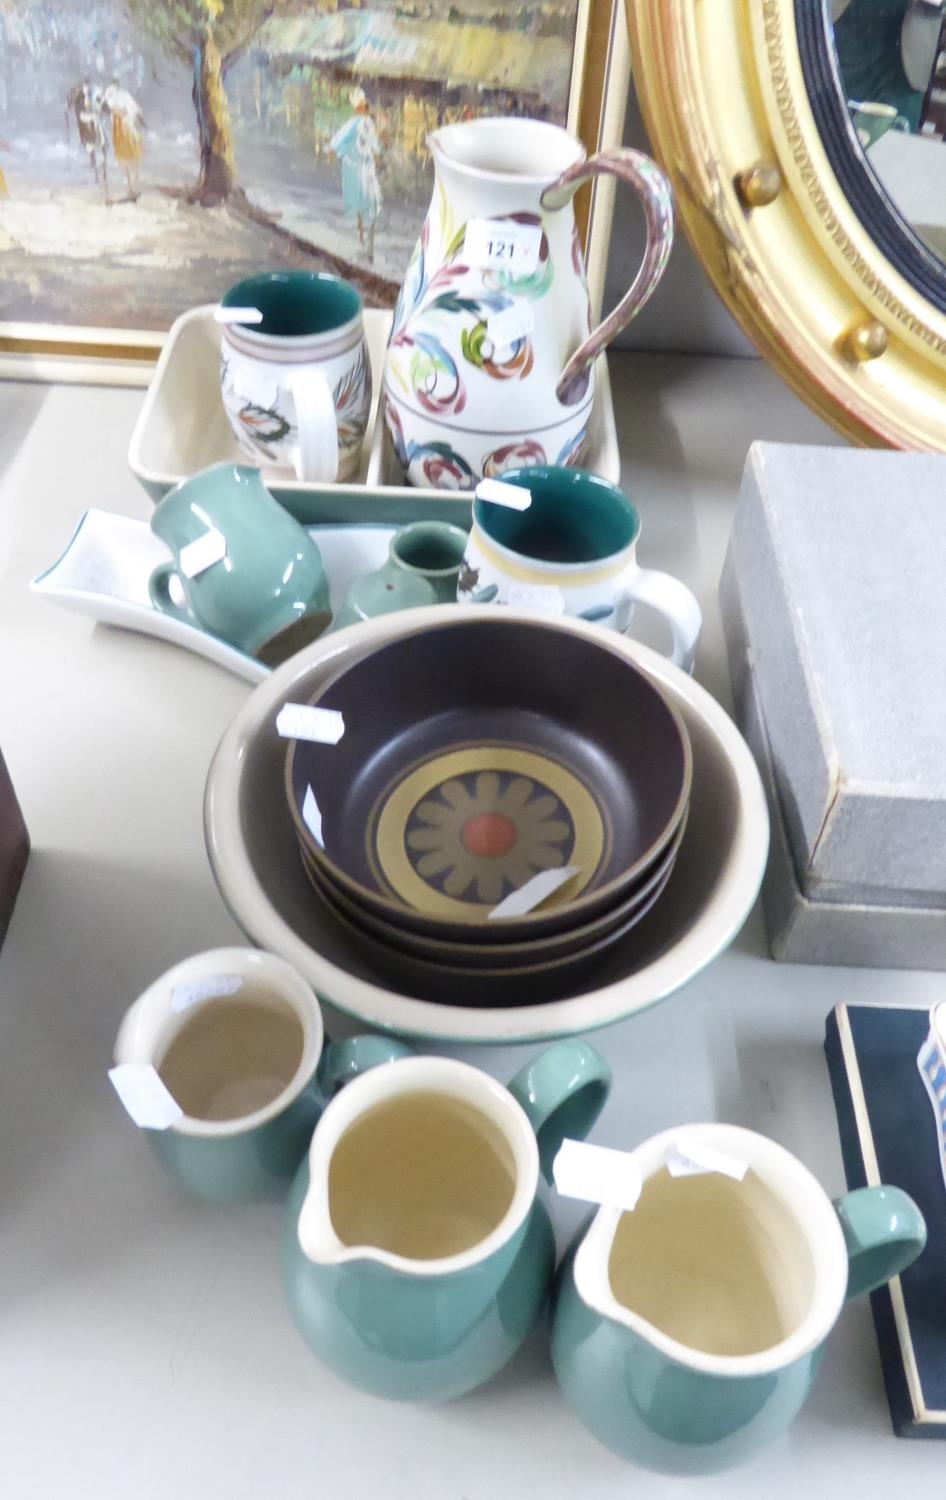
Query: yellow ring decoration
pixel 386 826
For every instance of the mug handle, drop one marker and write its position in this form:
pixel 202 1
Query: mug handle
pixel 884 1232
pixel 562 1091
pixel 653 189
pixel 160 594
pixel 342 1061
pixel 671 599
pixel 316 461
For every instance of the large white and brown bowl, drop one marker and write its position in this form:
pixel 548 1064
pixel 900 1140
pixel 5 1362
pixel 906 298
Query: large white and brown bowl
pixel 253 852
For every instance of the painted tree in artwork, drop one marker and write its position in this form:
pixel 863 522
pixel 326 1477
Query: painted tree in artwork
pixel 207 36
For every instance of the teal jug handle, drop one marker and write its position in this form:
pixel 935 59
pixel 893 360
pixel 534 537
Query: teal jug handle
pixel 884 1232
pixel 563 1091
pixel 160 593
pixel 342 1061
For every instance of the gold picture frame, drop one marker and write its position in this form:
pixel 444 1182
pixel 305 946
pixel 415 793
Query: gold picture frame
pixel 597 97
pixel 725 101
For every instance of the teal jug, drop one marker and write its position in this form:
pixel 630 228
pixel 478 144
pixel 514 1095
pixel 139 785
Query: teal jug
pixel 687 1333
pixel 266 593
pixel 417 1255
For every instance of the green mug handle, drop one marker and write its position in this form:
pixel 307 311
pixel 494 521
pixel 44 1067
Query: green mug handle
pixel 342 1061
pixel 884 1232
pixel 562 1091
pixel 160 593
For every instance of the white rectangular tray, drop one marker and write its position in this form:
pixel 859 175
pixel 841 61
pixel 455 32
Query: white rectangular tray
pixel 105 568
pixel 182 427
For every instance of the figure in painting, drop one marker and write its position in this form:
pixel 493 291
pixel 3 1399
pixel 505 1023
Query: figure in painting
pixel 128 132
pixel 84 102
pixel 357 147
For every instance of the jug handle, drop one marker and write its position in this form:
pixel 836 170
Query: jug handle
pixel 342 1061
pixel 562 1091
pixel 159 592
pixel 884 1232
pixel 644 175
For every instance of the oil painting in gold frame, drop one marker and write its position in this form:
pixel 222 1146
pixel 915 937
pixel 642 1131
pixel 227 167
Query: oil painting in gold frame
pixel 154 152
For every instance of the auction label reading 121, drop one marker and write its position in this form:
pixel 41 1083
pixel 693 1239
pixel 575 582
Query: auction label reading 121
pixel 502 243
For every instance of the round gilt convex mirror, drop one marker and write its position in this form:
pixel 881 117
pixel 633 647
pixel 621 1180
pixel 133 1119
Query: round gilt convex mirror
pixel 806 142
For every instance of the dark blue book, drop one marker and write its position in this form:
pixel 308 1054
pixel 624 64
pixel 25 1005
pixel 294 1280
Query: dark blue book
pixel 889 1134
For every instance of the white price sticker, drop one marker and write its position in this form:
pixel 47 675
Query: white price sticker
pixel 690 1158
pixel 533 893
pixel 203 553
pixel 306 721
pixel 497 492
pixel 237 315
pixel 145 1096
pixel 214 987
pixel 597 1174
pixel 312 817
pixel 503 244
pixel 544 596
pixel 513 323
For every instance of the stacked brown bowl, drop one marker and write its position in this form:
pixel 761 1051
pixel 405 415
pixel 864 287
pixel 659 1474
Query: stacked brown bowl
pixel 504 806
pixel 255 857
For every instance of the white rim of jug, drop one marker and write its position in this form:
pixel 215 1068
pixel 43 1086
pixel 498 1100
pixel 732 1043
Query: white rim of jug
pixel 803 1200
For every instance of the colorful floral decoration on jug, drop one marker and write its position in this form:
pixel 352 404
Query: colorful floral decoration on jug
pixel 352 397
pixel 513 456
pixel 265 426
pixel 571 450
pixel 432 375
pixel 443 467
pixel 490 361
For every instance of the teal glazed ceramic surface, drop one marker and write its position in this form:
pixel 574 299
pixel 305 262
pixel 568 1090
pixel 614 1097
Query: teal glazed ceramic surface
pixel 253 1155
pixel 269 595
pixel 432 550
pixel 260 1161
pixel 296 304
pixel 575 517
pixel 383 592
pixel 758 1271
pixel 431 1328
pixel 422 568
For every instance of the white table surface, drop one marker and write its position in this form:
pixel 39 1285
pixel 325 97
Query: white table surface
pixel 145 1349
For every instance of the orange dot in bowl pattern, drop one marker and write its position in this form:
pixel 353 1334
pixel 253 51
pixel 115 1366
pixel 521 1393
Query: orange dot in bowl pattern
pixel 489 835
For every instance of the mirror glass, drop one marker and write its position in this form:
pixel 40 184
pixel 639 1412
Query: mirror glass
pixel 890 59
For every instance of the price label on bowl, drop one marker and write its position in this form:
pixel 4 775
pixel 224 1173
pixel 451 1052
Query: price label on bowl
pixel 503 244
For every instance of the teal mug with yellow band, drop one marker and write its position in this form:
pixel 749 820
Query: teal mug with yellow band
pixel 572 550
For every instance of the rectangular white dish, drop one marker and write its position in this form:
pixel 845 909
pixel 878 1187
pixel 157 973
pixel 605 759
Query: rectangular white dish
pixel 104 570
pixel 182 427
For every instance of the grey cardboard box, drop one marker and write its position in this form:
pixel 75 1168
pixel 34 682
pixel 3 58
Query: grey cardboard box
pixel 840 557
pixel 803 927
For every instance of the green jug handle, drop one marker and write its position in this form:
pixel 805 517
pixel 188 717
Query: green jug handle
pixel 342 1061
pixel 884 1232
pixel 160 593
pixel 563 1091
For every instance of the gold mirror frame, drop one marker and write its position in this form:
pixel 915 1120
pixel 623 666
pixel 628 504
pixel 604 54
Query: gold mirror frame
pixel 724 99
